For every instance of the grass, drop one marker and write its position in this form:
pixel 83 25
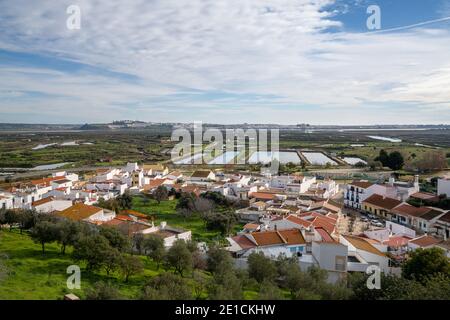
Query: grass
pixel 165 211
pixel 36 276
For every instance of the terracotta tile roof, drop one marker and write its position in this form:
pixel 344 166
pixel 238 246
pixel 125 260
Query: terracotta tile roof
pixel 201 174
pixel 268 238
pixel 425 241
pixel 432 214
pixel 42 201
pixel 319 222
pixel 382 202
pixel 298 220
pixel 407 209
pixel 361 183
pixel 292 236
pixel 46 181
pixel 263 195
pixel 362 244
pixel 158 167
pixel 424 196
pixel 445 217
pixel 243 242
pixel 397 241
pixel 251 226
pixel 153 184
pixel 325 235
pixel 79 212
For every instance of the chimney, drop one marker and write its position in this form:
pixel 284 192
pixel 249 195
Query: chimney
pixel 416 182
pixel 391 181
pixel 163 225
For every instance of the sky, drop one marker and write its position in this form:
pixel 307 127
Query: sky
pixel 225 61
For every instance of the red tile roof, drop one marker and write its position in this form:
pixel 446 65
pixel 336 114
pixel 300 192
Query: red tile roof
pixel 425 241
pixel 42 201
pixel 382 202
pixel 268 238
pixel 397 241
pixel 361 183
pixel 243 242
pixel 263 195
pixel 407 209
pixel 325 235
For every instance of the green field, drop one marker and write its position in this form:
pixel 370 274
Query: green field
pixel 165 211
pixel 151 145
pixel 33 275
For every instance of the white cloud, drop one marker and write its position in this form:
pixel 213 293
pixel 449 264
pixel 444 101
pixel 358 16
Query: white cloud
pixel 257 47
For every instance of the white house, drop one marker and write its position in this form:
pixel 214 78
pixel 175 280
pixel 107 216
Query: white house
pixel 271 243
pixel 202 176
pixel 50 204
pixel 6 201
pixel 443 187
pixel 361 254
pixel 83 212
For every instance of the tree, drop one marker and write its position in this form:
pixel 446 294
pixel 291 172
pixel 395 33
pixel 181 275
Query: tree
pixel 383 157
pixel 186 201
pixel 217 258
pixel 154 248
pixel 216 197
pixel 360 164
pixel 67 233
pixel 200 283
pixel 26 219
pixel 138 241
pixel 430 161
pixel 225 285
pixel 103 291
pixel 112 260
pixel 261 268
pixel 167 286
pixel 179 257
pixel 424 263
pixel 395 160
pixel 110 204
pixel 125 201
pixel 269 291
pixel 130 265
pixel 2 218
pixel 115 238
pixel 94 249
pixel 44 232
pixel 224 222
pixel 203 206
pixel 160 194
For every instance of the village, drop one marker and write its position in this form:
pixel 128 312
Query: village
pixel 342 228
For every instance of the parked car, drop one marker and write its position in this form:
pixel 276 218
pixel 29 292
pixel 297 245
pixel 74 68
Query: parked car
pixel 376 223
pixel 364 219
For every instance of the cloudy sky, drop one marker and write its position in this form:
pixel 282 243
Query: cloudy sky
pixel 225 61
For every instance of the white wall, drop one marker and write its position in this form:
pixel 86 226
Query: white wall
pixel 55 205
pixel 443 187
pixel 398 229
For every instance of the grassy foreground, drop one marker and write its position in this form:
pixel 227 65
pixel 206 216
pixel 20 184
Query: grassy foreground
pixel 33 275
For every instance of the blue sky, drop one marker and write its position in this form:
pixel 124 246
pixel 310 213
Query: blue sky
pixel 225 61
